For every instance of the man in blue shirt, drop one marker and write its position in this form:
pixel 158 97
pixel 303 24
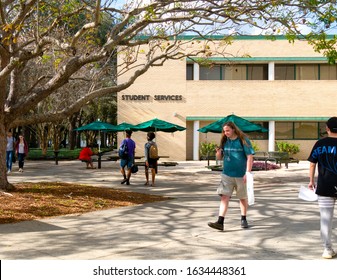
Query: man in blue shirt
pixel 237 153
pixel 129 160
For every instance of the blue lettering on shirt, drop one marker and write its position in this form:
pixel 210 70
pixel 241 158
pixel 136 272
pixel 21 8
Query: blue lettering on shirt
pixel 323 150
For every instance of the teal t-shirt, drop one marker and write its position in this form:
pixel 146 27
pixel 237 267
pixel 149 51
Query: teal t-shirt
pixel 235 157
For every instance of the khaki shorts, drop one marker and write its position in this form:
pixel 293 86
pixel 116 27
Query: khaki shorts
pixel 229 184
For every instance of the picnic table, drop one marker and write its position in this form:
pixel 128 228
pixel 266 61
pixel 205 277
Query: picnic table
pixel 115 157
pixel 110 157
pixel 160 163
pixel 276 157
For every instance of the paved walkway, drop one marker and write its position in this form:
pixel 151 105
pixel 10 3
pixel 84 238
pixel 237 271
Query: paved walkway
pixel 281 225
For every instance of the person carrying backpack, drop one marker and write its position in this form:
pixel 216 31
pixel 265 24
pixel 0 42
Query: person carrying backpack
pixel 151 158
pixel 127 156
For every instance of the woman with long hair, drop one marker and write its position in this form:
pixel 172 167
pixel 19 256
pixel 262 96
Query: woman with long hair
pixel 237 153
pixel 21 150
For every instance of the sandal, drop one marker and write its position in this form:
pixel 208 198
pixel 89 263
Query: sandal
pixel 146 183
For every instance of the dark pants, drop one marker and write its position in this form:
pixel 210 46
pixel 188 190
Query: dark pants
pixel 21 159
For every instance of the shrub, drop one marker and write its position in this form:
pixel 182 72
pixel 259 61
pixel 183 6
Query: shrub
pixel 287 147
pixel 255 146
pixel 207 149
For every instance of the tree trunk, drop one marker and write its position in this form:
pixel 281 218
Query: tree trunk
pixel 72 134
pixel 4 184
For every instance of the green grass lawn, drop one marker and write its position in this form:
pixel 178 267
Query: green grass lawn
pixel 36 154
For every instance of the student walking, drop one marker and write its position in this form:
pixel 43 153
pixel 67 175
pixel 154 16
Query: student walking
pixel 151 158
pixel 21 150
pixel 324 154
pixel 10 151
pixel 237 153
pixel 127 156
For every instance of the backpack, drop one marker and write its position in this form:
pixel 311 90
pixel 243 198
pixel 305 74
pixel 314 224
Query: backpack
pixel 123 151
pixel 153 151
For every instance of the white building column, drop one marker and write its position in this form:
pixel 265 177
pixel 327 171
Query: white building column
pixel 271 71
pixel 196 71
pixel 271 126
pixel 271 136
pixel 196 144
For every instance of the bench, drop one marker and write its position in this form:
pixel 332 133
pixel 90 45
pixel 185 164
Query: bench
pixel 214 167
pixel 164 163
pixel 283 157
pixel 276 157
pixel 265 157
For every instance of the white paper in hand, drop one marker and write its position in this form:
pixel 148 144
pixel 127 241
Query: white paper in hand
pixel 250 188
pixel 307 194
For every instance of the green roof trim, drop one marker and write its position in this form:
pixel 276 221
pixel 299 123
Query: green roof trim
pixel 227 36
pixel 262 119
pixel 262 59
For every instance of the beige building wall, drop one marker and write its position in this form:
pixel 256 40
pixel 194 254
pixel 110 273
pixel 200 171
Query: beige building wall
pixel 207 99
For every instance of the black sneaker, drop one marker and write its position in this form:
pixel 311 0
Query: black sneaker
pixel 216 225
pixel 127 182
pixel 124 181
pixel 244 224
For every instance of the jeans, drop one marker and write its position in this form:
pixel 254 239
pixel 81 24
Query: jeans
pixel 9 160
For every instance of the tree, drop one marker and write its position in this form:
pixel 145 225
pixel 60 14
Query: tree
pixel 67 32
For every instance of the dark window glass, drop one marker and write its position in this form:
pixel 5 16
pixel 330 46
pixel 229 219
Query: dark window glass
pixel 210 73
pixel 284 72
pixel 328 72
pixel 306 130
pixel 322 130
pixel 284 130
pixel 307 72
pixel 259 135
pixel 234 72
pixel 257 72
pixel 189 72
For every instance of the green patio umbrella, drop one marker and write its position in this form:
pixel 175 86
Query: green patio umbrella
pixel 243 124
pixel 97 126
pixel 125 126
pixel 158 125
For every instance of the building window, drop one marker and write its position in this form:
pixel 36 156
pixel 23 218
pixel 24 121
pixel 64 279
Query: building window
pixel 210 73
pixel 307 72
pixel 257 72
pixel 305 130
pixel 259 135
pixel 299 130
pixel 189 71
pixel 322 130
pixel 260 72
pixel 234 72
pixel 284 72
pixel 284 130
pixel 328 72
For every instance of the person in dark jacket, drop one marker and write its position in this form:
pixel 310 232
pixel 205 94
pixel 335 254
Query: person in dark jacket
pixel 324 154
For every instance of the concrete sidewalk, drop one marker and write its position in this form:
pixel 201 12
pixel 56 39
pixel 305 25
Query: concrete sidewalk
pixel 281 225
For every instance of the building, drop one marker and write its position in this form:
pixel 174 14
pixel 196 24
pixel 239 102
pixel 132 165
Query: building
pixel 286 87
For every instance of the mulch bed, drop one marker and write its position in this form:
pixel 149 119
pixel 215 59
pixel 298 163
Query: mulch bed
pixel 30 201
